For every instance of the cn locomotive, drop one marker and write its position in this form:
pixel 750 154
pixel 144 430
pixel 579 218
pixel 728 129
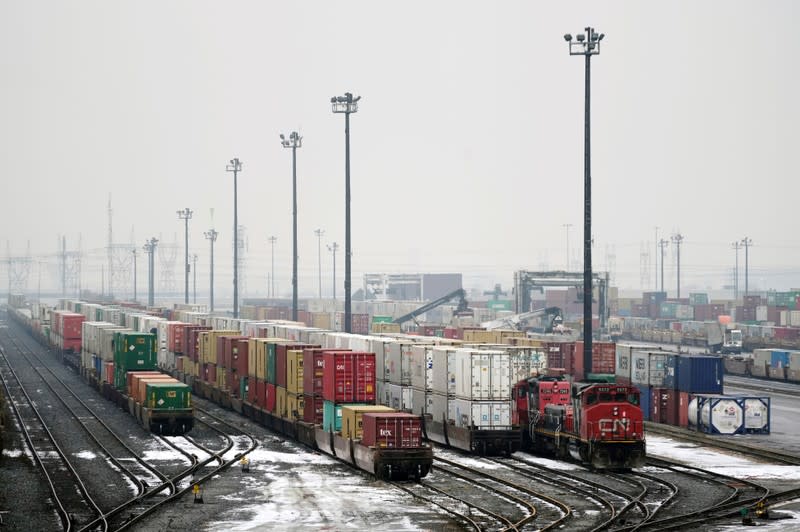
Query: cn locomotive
pixel 598 424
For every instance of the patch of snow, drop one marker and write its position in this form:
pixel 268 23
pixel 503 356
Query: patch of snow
pixel 548 462
pixel 86 455
pixel 12 453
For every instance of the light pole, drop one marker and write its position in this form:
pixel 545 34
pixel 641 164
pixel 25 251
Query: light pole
pixel 319 233
pixel 677 239
pixel 134 273
pixel 346 104
pixel 194 282
pixel 566 227
pixel 186 215
pixel 150 248
pixel 212 237
pixel 332 248
pixel 587 46
pixel 746 242
pixel 656 261
pixel 272 241
pixel 736 246
pixel 235 167
pixel 662 244
pixel 294 141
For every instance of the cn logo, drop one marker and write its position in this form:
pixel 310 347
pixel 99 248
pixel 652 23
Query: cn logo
pixel 613 425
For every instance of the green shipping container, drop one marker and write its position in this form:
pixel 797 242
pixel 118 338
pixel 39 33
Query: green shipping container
pixel 609 378
pixel 243 387
pixel 381 319
pixel 168 396
pixel 500 304
pixel 272 357
pixel 698 299
pixel 134 351
pixel 332 415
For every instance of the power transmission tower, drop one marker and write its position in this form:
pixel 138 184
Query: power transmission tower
pixel 167 256
pixel 19 269
pixel 677 239
pixel 644 266
pixel 746 242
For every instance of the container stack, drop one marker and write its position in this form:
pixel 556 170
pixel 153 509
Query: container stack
pixel 348 378
pixel 133 351
pixel 66 328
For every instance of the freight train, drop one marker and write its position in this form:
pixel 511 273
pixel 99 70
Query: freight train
pixel 599 424
pixel 443 390
pixel 159 405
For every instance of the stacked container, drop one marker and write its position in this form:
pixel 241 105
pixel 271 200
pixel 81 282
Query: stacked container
pixel 348 378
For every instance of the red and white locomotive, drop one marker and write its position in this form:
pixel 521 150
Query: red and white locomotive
pixel 598 424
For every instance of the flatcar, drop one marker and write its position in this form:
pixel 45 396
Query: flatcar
pixel 598 424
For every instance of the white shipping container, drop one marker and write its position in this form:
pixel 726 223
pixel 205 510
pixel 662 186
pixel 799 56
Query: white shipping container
pixel 399 397
pixel 422 367
pixel 444 379
pixel 398 363
pixel 419 401
pixel 784 318
pixel 482 375
pixel 762 313
pixel 762 356
pixel 106 342
pixel 794 318
pixel 794 359
pixel 484 415
pixel 648 368
pixel 436 404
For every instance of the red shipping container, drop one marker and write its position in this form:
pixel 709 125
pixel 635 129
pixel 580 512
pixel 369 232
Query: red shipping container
pixel 313 408
pixel 261 393
pixel 397 430
pixel 71 326
pixel 314 368
pixel 664 406
pixel 129 378
pixel 280 361
pixel 225 348
pixel 240 355
pixel 179 363
pixel 304 316
pixel 683 409
pixel 210 373
pixel 270 397
pixel 109 368
pixel 604 357
pixel 252 385
pixel 190 347
pixel 175 337
pixel 349 377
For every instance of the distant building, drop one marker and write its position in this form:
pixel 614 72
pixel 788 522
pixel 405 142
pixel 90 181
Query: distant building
pixel 411 286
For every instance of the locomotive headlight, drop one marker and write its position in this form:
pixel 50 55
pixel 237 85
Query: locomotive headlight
pixel 616 410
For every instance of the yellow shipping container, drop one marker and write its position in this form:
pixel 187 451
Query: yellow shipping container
pixel 210 353
pixel 352 418
pixel 251 358
pixel 222 383
pixel 502 334
pixel 321 320
pixel 378 328
pixel 295 404
pixel 280 401
pixel 478 336
pixel 294 371
pixel 261 313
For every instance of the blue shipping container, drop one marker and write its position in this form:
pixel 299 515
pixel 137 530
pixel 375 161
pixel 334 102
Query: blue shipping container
pixel 644 401
pixel 780 359
pixel 671 372
pixel 98 365
pixel 700 374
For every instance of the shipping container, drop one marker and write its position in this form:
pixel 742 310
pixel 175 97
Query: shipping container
pixel 700 374
pixel 352 426
pixel 349 376
pixel 648 368
pixel 392 430
pixel 398 362
pixel 168 395
pixel 644 401
pixel 482 375
pixel 729 414
pixel 664 404
pixel 480 415
pixel 332 415
pixel 396 396
pixel 313 406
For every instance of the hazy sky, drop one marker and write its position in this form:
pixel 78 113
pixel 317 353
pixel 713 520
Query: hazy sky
pixel 466 151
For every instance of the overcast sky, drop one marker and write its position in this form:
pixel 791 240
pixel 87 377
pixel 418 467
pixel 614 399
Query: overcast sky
pixel 466 151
